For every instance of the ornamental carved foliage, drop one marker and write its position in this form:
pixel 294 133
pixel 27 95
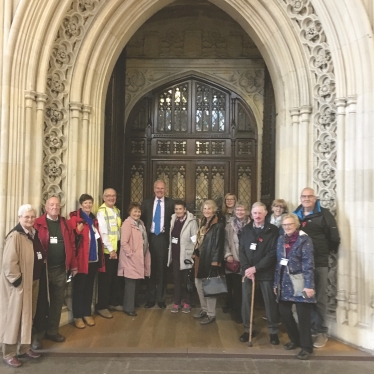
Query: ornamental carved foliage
pixel 252 81
pixel 65 49
pixel 313 37
pixel 135 80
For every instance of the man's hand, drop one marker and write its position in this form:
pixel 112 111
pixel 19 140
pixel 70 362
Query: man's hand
pixel 229 258
pixel 250 273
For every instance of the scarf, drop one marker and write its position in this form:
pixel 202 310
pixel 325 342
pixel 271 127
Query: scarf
pixel 92 252
pixel 276 221
pixel 289 241
pixel 238 224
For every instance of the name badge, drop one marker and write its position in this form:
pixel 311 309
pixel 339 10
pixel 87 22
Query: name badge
pixel 174 240
pixel 113 224
pixel 39 255
pixel 284 261
pixel 253 246
pixel 53 240
pixel 193 239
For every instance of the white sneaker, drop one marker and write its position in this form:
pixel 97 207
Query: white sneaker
pixel 320 340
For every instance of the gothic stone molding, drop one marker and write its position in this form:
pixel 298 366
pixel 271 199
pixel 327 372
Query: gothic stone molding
pixel 74 25
pixel 246 81
pixel 313 38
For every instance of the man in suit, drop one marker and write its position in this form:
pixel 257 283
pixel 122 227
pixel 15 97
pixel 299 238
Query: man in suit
pixel 156 215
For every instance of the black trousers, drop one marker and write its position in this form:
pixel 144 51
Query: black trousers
pixel 299 335
pixel 110 290
pixel 156 283
pixel 234 293
pixel 83 285
pixel 180 283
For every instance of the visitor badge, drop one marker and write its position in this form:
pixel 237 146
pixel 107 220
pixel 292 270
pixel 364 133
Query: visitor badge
pixel 113 224
pixel 284 261
pixel 53 240
pixel 174 240
pixel 253 246
pixel 39 255
pixel 193 239
pixel 97 235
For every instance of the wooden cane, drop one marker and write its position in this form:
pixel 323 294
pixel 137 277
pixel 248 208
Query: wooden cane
pixel 251 315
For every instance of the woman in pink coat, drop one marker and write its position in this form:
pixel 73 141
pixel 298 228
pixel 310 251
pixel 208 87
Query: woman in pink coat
pixel 134 260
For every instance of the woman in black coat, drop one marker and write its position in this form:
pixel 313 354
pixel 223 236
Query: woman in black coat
pixel 208 256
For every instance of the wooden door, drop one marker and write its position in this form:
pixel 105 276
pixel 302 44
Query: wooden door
pixel 197 137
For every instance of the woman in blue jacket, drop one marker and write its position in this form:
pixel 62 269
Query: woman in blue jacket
pixel 294 284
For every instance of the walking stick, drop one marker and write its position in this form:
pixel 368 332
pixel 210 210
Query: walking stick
pixel 251 315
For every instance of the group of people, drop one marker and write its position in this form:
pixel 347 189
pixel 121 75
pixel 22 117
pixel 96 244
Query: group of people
pixel 289 265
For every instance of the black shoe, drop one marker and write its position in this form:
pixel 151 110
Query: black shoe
pixel 131 314
pixel 58 338
pixel 149 304
pixel 226 309
pixel 244 337
pixel 162 304
pixel 274 340
pixel 290 345
pixel 238 319
pixel 303 355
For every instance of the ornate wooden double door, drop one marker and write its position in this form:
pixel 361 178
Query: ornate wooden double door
pixel 197 137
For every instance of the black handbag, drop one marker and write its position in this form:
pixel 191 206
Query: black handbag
pixel 214 286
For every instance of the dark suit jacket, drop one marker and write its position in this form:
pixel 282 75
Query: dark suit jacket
pixel 147 214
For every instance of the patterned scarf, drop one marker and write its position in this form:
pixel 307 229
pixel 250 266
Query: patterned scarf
pixel 238 224
pixel 289 241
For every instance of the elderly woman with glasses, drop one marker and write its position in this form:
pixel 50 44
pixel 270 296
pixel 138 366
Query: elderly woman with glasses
pixel 294 284
pixel 22 263
pixel 234 229
pixel 278 208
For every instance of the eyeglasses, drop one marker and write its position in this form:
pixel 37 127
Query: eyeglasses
pixel 278 206
pixel 307 196
pixel 28 217
pixel 110 195
pixel 287 224
pixel 230 199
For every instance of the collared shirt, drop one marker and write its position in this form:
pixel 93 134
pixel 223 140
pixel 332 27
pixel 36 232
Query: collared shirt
pixel 162 203
pixel 49 217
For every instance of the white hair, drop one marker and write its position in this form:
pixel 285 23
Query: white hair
pixel 25 208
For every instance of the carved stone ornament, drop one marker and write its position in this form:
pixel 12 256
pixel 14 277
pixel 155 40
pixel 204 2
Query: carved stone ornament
pixel 75 23
pixel 313 37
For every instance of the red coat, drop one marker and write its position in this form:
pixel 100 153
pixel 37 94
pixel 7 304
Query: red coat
pixel 83 249
pixel 68 235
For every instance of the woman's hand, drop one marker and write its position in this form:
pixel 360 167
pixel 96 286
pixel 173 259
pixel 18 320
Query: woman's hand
pixel 309 292
pixel 229 258
pixel 80 227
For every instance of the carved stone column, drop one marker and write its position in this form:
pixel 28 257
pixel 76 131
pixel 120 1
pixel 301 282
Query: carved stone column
pixel 30 97
pixel 73 161
pixel 83 166
pixel 305 133
pixel 292 139
pixel 350 165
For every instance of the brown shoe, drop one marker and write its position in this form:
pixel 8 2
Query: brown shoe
pixel 12 362
pixel 79 323
pixel 30 354
pixel 89 320
pixel 105 313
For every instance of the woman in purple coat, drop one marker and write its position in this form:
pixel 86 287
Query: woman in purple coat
pixel 294 284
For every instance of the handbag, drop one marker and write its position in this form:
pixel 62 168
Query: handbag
pixel 297 283
pixel 213 286
pixel 233 266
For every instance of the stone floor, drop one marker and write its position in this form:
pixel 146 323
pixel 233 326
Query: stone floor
pixel 153 365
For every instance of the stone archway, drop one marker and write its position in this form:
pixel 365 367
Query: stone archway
pixel 283 31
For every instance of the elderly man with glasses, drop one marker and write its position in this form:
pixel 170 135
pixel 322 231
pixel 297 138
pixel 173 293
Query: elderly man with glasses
pixel 321 226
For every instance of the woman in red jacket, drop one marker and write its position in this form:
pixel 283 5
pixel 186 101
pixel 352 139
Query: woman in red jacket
pixel 90 259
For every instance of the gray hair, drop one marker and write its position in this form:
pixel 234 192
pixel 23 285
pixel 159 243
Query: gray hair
pixel 25 208
pixel 259 203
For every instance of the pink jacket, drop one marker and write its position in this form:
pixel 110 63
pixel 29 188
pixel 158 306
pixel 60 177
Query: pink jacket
pixel 132 262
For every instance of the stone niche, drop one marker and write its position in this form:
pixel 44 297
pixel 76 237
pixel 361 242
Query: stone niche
pixel 201 31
